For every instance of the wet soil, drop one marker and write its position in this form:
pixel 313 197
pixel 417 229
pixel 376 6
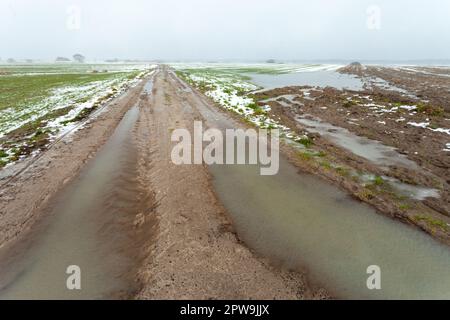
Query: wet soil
pixel 187 243
pixel 382 116
pixel 181 241
pixel 426 83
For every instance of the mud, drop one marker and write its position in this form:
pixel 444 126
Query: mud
pixel 426 83
pixel 196 253
pixel 273 232
pixel 25 194
pixel 185 241
pixel 383 116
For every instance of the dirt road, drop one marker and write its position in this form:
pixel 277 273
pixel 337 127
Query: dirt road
pixel 182 240
pixel 109 198
pixel 195 253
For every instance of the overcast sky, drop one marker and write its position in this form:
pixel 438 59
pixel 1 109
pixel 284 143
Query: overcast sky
pixel 226 29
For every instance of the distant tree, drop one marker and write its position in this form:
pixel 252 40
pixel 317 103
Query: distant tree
pixel 29 60
pixel 270 61
pixel 79 58
pixel 62 59
pixel 11 60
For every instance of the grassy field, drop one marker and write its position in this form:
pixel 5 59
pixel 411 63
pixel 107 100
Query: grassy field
pixel 255 68
pixel 40 102
pixel 232 90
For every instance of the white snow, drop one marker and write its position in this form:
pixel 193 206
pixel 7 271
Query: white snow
pixel 419 124
pixel 409 108
pixel 425 125
pixel 447 147
pixel 222 88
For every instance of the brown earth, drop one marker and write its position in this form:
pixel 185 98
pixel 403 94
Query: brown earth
pixel 347 109
pixel 426 83
pixel 24 196
pixel 196 254
pixel 188 246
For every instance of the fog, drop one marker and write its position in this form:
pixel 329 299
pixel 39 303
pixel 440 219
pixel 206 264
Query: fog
pixel 226 29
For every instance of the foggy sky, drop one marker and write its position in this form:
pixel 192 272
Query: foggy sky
pixel 225 29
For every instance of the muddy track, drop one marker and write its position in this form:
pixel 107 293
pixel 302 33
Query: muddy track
pixel 163 219
pixel 23 198
pixel 195 253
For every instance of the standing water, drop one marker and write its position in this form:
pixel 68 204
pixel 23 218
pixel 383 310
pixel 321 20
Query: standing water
pixel 310 78
pixel 299 221
pixel 85 227
pixel 369 149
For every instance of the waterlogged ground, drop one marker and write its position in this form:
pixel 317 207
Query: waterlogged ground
pixel 230 88
pixel 38 103
pixel 382 142
pixel 295 219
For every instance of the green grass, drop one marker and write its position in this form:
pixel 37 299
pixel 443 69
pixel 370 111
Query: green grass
pixel 257 70
pixel 366 194
pixel 342 171
pixel 326 165
pixel 253 106
pixel 259 111
pixel 378 181
pixel 348 104
pixel 404 206
pixel 23 90
pixel 432 222
pixel 65 68
pixel 307 142
pixel 28 101
pixel 304 155
pixel 430 110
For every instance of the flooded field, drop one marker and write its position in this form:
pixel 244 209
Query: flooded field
pixel 309 78
pixel 223 150
pixel 299 221
pixel 295 221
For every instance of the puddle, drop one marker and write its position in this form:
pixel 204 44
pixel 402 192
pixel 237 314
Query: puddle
pixel 285 100
pixel 369 149
pixel 83 228
pixel 402 189
pixel 383 84
pixel 411 191
pixel 302 222
pixel 148 87
pixel 313 78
